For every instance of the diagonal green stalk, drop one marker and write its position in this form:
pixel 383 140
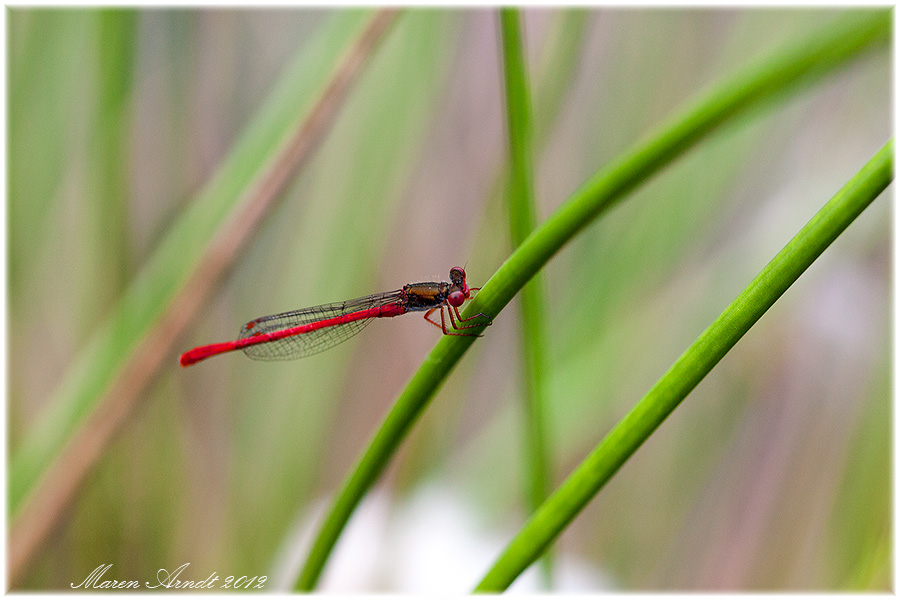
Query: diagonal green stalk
pixel 696 362
pixel 771 77
pixel 522 220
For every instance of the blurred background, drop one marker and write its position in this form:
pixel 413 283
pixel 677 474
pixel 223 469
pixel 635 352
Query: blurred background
pixel 774 474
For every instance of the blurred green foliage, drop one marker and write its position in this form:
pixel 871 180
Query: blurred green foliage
pixel 774 475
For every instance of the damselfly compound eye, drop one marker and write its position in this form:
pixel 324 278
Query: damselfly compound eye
pixel 456 298
pixel 457 275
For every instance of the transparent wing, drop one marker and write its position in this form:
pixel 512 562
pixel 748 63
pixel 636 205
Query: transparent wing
pixel 312 342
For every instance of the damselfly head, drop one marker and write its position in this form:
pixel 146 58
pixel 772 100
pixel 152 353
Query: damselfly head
pixel 461 291
pixel 458 276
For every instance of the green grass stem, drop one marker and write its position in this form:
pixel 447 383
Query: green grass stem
pixel 522 221
pixel 696 362
pixel 773 76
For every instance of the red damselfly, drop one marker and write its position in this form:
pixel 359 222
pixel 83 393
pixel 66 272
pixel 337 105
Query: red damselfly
pixel 308 331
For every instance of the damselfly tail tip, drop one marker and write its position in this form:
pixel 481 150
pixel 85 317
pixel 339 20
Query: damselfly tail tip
pixel 185 360
pixel 201 352
pixel 193 356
